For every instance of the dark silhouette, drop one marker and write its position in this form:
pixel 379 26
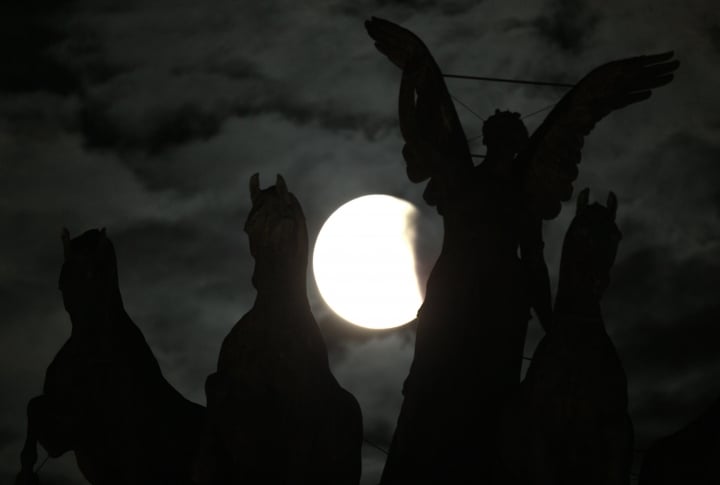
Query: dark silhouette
pixel 568 423
pixel 472 325
pixel 104 396
pixel 688 456
pixel 276 413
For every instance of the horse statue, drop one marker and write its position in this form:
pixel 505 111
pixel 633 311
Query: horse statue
pixel 104 396
pixel 276 414
pixel 688 456
pixel 569 423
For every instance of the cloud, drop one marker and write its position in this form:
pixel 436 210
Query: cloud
pixel 374 371
pixel 659 314
pixel 171 127
pixel 7 436
pixel 568 25
pixel 714 32
pixel 145 91
pixel 29 34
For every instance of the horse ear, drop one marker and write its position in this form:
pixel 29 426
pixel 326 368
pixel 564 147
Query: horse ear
pixel 612 204
pixel 65 237
pixel 254 187
pixel 281 186
pixel 103 233
pixel 582 200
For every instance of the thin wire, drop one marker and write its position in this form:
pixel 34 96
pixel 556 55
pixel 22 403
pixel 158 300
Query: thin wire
pixel 470 140
pixel 539 111
pixel 513 81
pixel 466 107
pixel 376 446
pixel 42 464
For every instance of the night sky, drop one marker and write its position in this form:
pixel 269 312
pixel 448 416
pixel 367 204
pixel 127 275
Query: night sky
pixel 148 118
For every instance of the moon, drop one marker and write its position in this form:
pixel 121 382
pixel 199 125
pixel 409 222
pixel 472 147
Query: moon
pixel 364 262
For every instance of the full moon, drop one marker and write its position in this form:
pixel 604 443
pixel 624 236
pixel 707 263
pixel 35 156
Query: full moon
pixel 364 262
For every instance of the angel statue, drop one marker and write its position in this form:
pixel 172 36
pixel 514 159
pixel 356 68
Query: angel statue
pixel 491 270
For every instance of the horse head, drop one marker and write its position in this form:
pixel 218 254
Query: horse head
pixel 590 246
pixel 276 228
pixel 88 279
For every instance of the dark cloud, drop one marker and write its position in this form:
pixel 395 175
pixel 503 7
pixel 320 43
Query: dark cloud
pixel 29 35
pixel 402 7
pixel 341 336
pixel 374 372
pixel 7 436
pixel 15 292
pixel 180 125
pixel 568 25
pixel 714 33
pixel 675 197
pixel 158 128
pixel 408 3
pixel 658 413
pixel 452 7
pixel 656 284
pixel 660 315
pixel 676 346
pixel 325 117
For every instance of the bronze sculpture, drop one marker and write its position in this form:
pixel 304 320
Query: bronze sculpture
pixel 568 423
pixel 276 414
pixel 471 328
pixel 104 395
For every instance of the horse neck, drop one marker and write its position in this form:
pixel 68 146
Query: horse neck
pixel 577 296
pixel 101 318
pixel 280 280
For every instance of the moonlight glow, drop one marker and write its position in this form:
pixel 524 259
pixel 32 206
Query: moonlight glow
pixel 364 262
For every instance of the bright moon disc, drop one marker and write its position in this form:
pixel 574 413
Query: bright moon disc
pixel 364 262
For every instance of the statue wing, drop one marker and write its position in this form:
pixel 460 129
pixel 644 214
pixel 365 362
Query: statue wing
pixel 435 143
pixel 549 163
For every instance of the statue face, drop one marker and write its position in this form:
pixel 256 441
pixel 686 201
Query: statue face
pixel 270 224
pixel 275 223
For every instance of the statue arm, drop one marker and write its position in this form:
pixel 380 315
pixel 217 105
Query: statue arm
pixel 533 261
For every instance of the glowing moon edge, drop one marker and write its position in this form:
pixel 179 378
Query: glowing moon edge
pixel 364 262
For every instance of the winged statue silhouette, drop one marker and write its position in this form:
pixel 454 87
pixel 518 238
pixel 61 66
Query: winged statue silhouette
pixel 491 270
pixel 548 162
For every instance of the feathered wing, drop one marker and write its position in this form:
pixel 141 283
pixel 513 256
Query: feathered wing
pixel 435 142
pixel 550 160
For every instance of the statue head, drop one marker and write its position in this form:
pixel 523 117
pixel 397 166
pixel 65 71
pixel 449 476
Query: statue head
pixel 276 225
pixel 505 132
pixel 88 279
pixel 590 245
